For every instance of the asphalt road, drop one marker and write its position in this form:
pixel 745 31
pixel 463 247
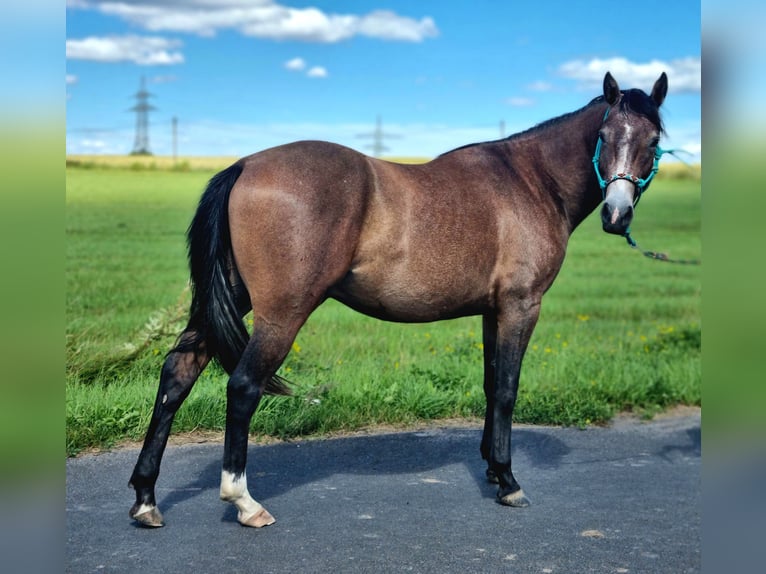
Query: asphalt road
pixel 623 499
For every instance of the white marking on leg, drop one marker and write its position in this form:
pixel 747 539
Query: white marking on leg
pixel 144 508
pixel 234 490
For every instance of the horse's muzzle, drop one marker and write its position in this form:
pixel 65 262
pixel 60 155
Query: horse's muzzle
pixel 616 218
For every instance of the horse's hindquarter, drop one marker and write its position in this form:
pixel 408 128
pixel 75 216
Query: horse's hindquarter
pixel 295 216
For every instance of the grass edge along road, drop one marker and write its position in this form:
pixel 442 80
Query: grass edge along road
pixel 617 331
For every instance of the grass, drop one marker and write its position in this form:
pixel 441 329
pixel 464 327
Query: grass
pixel 617 331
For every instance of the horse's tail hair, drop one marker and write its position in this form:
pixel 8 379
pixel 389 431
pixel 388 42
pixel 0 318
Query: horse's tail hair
pixel 215 318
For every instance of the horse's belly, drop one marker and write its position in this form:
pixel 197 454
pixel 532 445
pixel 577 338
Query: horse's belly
pixel 411 298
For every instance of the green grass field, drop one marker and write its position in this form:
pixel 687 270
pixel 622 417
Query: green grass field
pixel 617 331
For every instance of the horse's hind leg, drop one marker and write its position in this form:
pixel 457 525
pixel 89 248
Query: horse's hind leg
pixel 180 371
pixel 263 355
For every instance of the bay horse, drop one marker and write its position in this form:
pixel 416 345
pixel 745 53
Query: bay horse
pixel 481 230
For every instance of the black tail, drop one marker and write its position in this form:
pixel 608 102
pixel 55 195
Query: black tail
pixel 215 316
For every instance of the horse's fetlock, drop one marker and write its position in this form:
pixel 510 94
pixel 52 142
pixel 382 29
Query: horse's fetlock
pixel 142 482
pixel 233 486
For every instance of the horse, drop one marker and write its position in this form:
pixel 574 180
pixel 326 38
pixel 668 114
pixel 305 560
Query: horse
pixel 480 230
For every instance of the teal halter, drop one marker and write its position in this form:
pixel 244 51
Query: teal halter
pixel 641 184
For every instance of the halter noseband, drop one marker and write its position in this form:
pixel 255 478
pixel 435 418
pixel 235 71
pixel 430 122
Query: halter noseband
pixel 641 184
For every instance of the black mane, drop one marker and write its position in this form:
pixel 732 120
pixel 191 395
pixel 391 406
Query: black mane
pixel 632 100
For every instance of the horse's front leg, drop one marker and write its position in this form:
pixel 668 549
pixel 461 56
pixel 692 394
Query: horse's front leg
pixel 515 324
pixel 489 340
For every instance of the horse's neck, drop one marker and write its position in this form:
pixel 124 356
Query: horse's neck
pixel 564 153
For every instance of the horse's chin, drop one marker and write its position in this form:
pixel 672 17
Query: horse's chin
pixel 614 229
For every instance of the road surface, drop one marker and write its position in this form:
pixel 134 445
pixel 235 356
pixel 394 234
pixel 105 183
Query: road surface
pixel 621 499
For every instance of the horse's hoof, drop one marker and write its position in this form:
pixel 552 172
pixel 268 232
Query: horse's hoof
pixel 259 519
pixel 492 476
pixel 516 499
pixel 147 515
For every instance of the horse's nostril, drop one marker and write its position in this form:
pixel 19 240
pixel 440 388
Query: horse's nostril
pixel 627 217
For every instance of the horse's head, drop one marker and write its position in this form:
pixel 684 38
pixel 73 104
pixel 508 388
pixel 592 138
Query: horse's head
pixel 627 152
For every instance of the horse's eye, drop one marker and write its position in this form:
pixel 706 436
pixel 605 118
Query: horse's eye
pixel 655 142
pixel 601 136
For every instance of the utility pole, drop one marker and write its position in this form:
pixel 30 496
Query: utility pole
pixel 377 146
pixel 142 109
pixel 175 139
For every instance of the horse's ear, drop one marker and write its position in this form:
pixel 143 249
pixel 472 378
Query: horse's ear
pixel 611 89
pixel 660 89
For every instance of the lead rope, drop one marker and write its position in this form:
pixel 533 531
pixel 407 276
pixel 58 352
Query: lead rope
pixel 658 256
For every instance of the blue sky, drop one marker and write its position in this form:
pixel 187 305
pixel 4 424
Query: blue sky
pixel 244 75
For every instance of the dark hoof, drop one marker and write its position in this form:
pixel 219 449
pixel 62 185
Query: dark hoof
pixel 516 499
pixel 147 516
pixel 492 476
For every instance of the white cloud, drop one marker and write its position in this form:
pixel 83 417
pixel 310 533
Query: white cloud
pixel 299 65
pixel 71 79
pixel 296 64
pixel 519 102
pixel 390 26
pixel 263 19
pixel 684 75
pixel 308 25
pixel 141 50
pixel 317 72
